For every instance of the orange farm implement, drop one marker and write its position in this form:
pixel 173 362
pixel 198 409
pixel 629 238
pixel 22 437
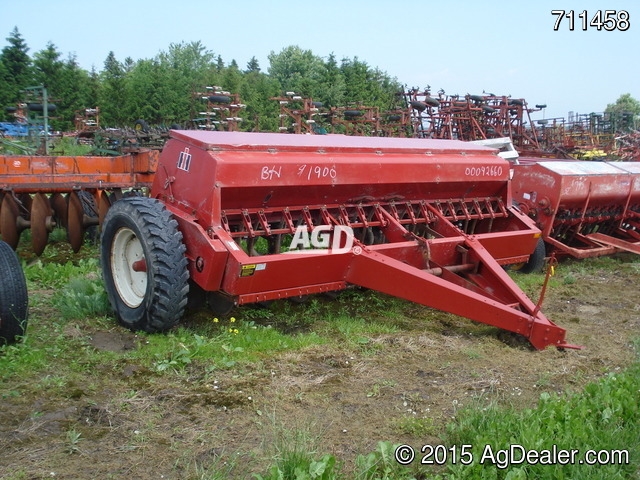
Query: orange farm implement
pixel 42 192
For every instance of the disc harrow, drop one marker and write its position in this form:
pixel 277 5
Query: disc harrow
pixel 41 193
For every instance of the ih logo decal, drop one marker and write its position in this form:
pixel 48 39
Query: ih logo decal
pixel 184 160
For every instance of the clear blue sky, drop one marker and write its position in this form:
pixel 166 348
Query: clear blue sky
pixel 503 47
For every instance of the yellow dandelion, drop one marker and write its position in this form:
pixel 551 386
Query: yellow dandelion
pixel 232 319
pixel 215 320
pixel 235 330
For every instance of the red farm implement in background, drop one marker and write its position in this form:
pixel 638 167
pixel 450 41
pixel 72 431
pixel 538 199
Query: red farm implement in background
pixel 584 209
pixel 474 117
pixel 429 221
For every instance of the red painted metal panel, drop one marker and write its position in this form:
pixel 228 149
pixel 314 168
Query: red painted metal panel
pixel 571 200
pixel 237 179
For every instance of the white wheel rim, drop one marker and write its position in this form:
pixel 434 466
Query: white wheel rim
pixel 130 284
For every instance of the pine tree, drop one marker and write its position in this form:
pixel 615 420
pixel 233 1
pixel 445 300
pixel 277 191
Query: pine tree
pixel 113 94
pixel 15 71
pixel 253 66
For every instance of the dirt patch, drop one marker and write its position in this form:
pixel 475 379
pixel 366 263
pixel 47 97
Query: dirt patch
pixel 402 387
pixel 119 341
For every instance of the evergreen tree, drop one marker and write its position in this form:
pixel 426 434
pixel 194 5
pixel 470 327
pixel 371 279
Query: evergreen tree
pixel 184 69
pixel 15 70
pixel 48 71
pixel 93 89
pixel 113 93
pixel 47 66
pixel 75 91
pixel 6 93
pixel 261 113
pixel 219 63
pixel 333 84
pixel 146 89
pixel 253 66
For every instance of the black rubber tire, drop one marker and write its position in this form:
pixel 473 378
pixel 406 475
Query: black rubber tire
pixel 352 113
pixel 39 107
pixel 488 109
pixel 317 104
pixel 14 299
pixel 516 101
pixel 536 260
pixel 476 98
pixel 90 210
pixel 419 106
pixel 219 303
pixel 219 99
pixel 541 106
pixel 167 287
pixel 432 102
pixel 175 126
pixel 141 126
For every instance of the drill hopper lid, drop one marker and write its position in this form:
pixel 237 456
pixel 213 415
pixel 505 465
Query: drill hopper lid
pixel 570 168
pixel 249 141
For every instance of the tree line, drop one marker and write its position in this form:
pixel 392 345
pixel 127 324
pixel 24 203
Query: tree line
pixel 160 89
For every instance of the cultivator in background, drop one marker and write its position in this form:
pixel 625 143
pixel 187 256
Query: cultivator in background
pixel 432 222
pixel 396 123
pixel 474 117
pixel 299 115
pixel 584 209
pixel 356 120
pixel 222 110
pixel 44 192
pixel 305 116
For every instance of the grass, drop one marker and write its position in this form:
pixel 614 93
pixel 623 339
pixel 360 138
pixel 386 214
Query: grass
pixel 296 458
pixel 83 297
pixel 57 146
pixel 68 305
pixel 417 426
pixel 67 290
pixel 604 417
pixel 70 146
pixel 217 347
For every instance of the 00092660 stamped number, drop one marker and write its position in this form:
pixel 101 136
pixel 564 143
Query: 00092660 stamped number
pixel 608 20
